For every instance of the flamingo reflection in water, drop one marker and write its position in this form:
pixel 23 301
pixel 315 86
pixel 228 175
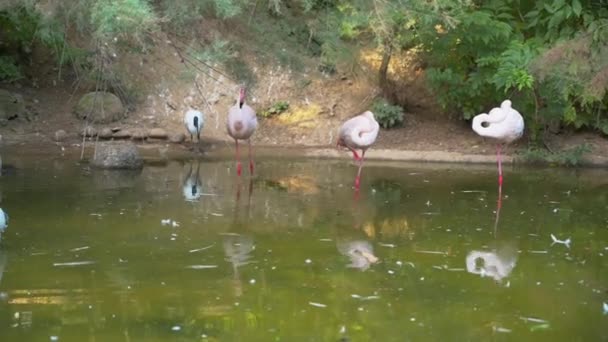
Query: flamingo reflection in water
pixel 497 264
pixel 360 253
pixel 238 247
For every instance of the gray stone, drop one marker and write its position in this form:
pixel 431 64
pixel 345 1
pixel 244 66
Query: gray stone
pixel 12 107
pixel 89 132
pixel 157 133
pixel 105 133
pixel 121 135
pixel 139 134
pixel 99 107
pixel 117 155
pixel 60 135
pixel 177 138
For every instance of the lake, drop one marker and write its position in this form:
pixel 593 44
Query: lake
pixel 187 251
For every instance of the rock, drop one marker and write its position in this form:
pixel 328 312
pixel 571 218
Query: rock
pixel 116 129
pixel 139 135
pixel 117 155
pixel 89 132
pixel 105 133
pixel 99 107
pixel 157 133
pixel 60 135
pixel 121 135
pixel 177 138
pixel 12 106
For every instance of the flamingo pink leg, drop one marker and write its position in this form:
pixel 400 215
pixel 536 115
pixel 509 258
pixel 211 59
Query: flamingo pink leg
pixel 238 162
pixel 355 154
pixel 250 159
pixel 358 178
pixel 498 156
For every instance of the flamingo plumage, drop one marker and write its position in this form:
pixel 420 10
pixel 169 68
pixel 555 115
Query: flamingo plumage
pixel 359 133
pixel 503 124
pixel 242 123
pixel 194 122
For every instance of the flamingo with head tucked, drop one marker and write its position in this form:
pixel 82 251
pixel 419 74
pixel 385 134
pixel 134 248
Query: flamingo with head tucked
pixel 242 123
pixel 194 122
pixel 359 133
pixel 504 124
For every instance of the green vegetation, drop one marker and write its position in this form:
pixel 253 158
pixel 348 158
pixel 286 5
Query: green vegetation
pixel 276 109
pixel 387 115
pixel 549 58
pixel 569 157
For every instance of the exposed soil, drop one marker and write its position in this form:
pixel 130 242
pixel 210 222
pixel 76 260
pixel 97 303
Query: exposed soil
pixel 316 111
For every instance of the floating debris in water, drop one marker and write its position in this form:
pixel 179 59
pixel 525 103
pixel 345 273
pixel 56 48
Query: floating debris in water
pixel 169 222
pixel 95 214
pixel 473 191
pixel 560 242
pixel 429 213
pixel 538 252
pixel 319 305
pixel 54 338
pixel 201 249
pixel 432 252
pixel 201 267
pixel 389 245
pixel 73 263
pixel 543 326
pixel 501 329
pixel 308 261
pixel 216 214
pixel 326 240
pixel 176 328
pixel 533 319
pixel 356 296
pixel 252 281
pixel 79 249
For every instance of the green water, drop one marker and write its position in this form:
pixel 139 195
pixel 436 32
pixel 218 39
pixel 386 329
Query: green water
pixel 86 257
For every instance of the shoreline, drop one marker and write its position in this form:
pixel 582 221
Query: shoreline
pixel 157 151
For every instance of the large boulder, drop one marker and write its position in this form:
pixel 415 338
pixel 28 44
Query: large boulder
pixel 117 155
pixel 12 106
pixel 99 107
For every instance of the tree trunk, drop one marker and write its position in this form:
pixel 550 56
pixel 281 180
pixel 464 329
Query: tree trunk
pixel 387 53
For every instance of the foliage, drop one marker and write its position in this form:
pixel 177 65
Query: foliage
pixel 387 115
pixel 570 157
pixel 9 71
pixel 276 109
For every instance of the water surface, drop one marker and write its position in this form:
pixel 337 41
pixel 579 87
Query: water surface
pixel 294 254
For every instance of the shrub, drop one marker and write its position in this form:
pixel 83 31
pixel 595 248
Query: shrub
pixel 387 115
pixel 276 109
pixel 569 157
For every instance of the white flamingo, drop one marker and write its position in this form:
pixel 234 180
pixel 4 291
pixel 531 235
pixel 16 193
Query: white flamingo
pixel 360 252
pixel 3 221
pixel 504 124
pixel 496 264
pixel 242 122
pixel 194 121
pixel 359 133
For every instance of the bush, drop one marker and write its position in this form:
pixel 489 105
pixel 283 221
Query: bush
pixel 570 157
pixel 387 115
pixel 9 71
pixel 276 109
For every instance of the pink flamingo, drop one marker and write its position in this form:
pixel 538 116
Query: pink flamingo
pixel 359 132
pixel 504 124
pixel 242 122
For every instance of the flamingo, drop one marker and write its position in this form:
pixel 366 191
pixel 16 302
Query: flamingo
pixel 193 119
pixel 504 124
pixel 191 187
pixel 242 122
pixel 359 132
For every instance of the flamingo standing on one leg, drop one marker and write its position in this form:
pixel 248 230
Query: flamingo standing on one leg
pixel 193 119
pixel 356 133
pixel 242 122
pixel 504 124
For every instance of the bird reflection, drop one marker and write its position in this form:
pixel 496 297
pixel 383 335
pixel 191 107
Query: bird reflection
pixel 238 247
pixel 497 264
pixel 360 253
pixel 192 187
pixel 3 260
pixel 3 222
